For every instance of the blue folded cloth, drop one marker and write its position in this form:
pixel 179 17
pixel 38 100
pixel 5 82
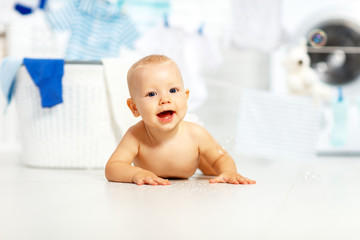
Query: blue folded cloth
pixel 47 75
pixel 8 69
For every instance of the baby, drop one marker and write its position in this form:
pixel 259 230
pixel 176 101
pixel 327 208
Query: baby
pixel 162 145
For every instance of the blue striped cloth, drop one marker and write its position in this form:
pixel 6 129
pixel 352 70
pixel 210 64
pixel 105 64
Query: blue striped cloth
pixel 98 28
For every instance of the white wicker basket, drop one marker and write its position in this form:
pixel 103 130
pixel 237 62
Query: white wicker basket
pixel 75 134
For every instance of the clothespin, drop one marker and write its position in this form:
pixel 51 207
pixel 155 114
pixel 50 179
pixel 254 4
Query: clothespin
pixel 166 20
pixel 340 96
pixel 201 29
pixel 25 10
pixel 120 2
pixel 42 4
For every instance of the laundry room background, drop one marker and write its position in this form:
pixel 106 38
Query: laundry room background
pixel 223 60
pixel 222 48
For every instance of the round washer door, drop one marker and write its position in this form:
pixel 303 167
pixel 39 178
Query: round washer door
pixel 334 50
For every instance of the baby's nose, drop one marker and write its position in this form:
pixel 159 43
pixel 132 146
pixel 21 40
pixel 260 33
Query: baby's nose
pixel 164 100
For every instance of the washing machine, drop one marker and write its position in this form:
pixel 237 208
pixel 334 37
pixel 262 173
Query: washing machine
pixel 332 30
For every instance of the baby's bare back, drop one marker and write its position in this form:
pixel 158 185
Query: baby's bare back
pixel 175 157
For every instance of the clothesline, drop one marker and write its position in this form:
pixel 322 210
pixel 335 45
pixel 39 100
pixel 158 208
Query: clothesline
pixel 94 62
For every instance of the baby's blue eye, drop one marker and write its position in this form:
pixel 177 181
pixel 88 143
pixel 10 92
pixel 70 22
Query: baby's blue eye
pixel 173 90
pixel 151 94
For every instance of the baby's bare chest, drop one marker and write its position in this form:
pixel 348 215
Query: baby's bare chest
pixel 169 160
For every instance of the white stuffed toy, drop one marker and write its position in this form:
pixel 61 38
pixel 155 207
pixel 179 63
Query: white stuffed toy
pixel 301 78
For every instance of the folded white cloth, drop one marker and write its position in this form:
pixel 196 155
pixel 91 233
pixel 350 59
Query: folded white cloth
pixel 117 89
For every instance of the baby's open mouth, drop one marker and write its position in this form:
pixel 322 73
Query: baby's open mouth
pixel 166 114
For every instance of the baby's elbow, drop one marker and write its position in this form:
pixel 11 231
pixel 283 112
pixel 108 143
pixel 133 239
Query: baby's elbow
pixel 108 172
pixel 107 175
pixel 219 160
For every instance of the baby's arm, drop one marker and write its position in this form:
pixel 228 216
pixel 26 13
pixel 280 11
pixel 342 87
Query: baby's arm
pixel 216 157
pixel 119 168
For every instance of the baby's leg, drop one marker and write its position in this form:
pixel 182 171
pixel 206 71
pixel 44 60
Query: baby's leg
pixel 206 168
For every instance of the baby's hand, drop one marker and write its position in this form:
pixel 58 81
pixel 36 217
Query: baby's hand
pixel 146 177
pixel 231 177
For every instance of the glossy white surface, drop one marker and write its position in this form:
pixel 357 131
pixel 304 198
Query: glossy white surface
pixel 291 200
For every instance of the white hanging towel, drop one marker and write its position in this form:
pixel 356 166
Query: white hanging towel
pixel 30 36
pixel 255 24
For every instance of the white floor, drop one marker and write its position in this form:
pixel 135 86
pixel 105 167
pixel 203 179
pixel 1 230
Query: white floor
pixel 291 200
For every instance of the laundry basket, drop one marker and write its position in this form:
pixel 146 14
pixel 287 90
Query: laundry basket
pixel 75 134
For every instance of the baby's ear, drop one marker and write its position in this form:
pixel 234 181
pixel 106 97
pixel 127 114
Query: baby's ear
pixel 187 93
pixel 132 106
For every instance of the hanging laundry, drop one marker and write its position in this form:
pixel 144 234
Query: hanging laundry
pixel 255 24
pixel 31 36
pixel 24 10
pixel 26 5
pixel 192 51
pixel 42 4
pixel 8 69
pixel 146 14
pixel 98 28
pixel 6 11
pixel 47 75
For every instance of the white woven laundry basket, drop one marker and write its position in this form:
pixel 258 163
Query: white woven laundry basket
pixel 75 134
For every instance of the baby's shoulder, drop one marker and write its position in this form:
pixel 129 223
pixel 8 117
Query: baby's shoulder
pixel 194 129
pixel 136 131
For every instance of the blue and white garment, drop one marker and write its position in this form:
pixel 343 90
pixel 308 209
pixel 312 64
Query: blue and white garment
pixel 98 28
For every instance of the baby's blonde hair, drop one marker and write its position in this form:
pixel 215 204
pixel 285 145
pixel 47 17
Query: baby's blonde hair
pixel 151 59
pixel 148 60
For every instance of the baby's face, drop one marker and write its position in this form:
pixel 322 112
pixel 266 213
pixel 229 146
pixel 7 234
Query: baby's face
pixel 159 95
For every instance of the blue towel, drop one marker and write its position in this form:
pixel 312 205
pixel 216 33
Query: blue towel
pixel 8 70
pixel 47 75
